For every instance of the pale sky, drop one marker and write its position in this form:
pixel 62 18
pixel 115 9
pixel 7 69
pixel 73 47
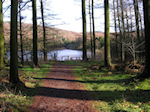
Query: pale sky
pixel 68 12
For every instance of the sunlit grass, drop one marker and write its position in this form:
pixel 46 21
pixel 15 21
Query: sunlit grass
pixel 15 101
pixel 110 91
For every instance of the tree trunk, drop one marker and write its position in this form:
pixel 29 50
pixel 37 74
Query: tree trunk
pixel 35 44
pixel 44 32
pixel 120 31
pixel 91 29
pixel 84 31
pixel 115 29
pixel 13 44
pixel 94 45
pixel 146 5
pixel 123 34
pixel 107 38
pixel 1 37
pixel 136 9
pixel 21 41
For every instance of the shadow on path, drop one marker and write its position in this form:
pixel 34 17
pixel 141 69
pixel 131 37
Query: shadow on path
pixel 134 96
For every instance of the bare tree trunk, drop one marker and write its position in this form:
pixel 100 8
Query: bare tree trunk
pixel 1 37
pixel 123 30
pixel 115 29
pixel 13 44
pixel 21 41
pixel 120 31
pixel 131 24
pixel 94 45
pixel 84 31
pixel 35 45
pixel 127 18
pixel 146 5
pixel 136 9
pixel 107 38
pixel 44 32
pixel 90 29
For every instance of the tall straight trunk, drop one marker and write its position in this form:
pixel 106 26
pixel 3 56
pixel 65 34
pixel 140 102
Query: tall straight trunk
pixel 127 23
pixel 21 41
pixel 94 45
pixel 44 32
pixel 84 31
pixel 107 37
pixel 90 29
pixel 136 10
pixel 120 31
pixel 13 43
pixel 115 29
pixel 146 5
pixel 142 33
pixel 5 55
pixel 1 37
pixel 123 34
pixel 131 28
pixel 35 45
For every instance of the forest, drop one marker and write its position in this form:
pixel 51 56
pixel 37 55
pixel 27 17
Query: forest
pixel 112 74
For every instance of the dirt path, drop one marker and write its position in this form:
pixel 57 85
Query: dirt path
pixel 61 93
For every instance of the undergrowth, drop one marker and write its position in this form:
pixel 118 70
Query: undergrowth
pixel 13 100
pixel 112 90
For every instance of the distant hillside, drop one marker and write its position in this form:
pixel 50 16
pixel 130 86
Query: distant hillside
pixel 55 37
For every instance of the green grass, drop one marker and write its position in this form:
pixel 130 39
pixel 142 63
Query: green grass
pixel 109 90
pixel 12 100
pixel 31 76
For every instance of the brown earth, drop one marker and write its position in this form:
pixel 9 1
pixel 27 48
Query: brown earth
pixel 62 92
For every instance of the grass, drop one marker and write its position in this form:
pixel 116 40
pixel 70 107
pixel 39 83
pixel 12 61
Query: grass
pixel 110 91
pixel 108 88
pixel 13 100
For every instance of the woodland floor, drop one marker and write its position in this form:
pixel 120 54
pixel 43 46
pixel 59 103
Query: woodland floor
pixel 62 92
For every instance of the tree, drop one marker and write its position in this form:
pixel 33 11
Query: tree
pixel 119 24
pixel 123 32
pixel 90 29
pixel 1 37
pixel 107 38
pixel 13 44
pixel 114 8
pixel 136 10
pixel 94 45
pixel 21 41
pixel 44 32
pixel 146 5
pixel 84 31
pixel 35 45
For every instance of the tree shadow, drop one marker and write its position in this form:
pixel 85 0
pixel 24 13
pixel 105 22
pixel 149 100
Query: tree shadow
pixel 108 96
pixel 88 81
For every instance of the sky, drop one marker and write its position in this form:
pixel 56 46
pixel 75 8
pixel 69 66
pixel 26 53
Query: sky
pixel 64 14
pixel 68 14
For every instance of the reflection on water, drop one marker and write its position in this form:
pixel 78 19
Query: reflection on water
pixel 61 55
